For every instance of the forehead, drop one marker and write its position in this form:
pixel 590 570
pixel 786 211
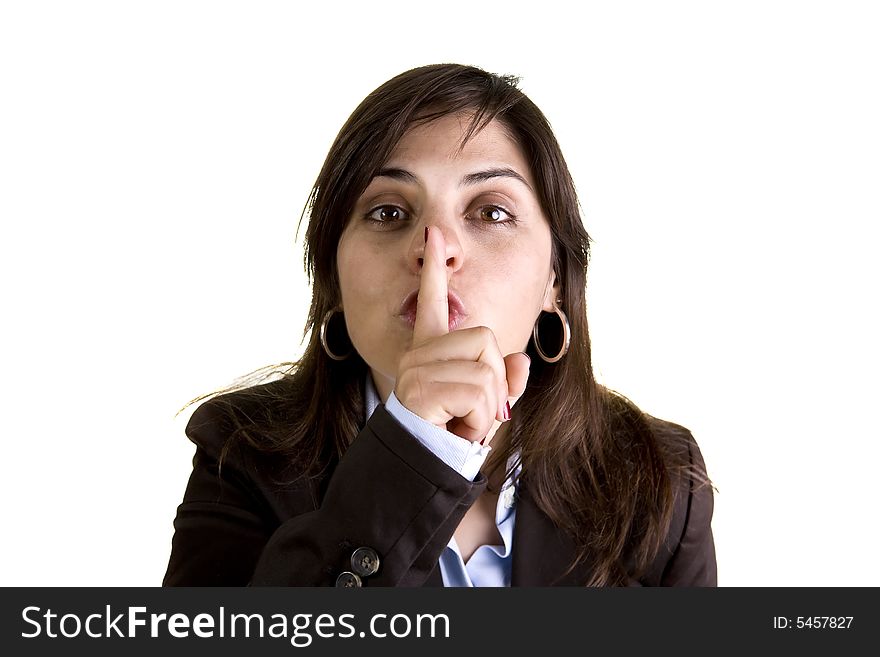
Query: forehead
pixel 439 143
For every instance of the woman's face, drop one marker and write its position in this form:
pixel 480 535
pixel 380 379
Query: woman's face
pixel 498 253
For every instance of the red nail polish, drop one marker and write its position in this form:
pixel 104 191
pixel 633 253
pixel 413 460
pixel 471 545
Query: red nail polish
pixel 506 410
pixel 426 234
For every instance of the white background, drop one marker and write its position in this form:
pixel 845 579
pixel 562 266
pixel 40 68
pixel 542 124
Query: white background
pixel 155 158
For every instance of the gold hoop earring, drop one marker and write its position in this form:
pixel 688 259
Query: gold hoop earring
pixel 324 344
pixel 566 337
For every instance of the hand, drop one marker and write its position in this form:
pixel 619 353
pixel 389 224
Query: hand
pixel 458 381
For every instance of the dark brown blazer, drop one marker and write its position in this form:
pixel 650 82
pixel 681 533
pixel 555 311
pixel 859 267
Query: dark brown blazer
pixel 237 526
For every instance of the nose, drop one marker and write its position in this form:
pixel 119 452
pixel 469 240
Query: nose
pixel 454 257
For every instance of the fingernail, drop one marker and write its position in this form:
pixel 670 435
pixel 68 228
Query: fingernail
pixel 506 411
pixel 426 234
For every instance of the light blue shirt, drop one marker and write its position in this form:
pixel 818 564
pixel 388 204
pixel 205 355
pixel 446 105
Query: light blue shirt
pixel 489 565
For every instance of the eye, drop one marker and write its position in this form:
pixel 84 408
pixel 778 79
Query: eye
pixel 386 214
pixel 495 214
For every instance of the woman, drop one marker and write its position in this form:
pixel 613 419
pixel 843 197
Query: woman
pixel 443 426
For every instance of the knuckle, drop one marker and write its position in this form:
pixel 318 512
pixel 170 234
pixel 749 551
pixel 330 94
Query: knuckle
pixel 483 395
pixel 420 392
pixel 485 332
pixel 485 372
pixel 411 388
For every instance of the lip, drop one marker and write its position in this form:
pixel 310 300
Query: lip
pixel 457 313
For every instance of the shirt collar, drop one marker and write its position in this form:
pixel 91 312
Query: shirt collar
pixel 371 397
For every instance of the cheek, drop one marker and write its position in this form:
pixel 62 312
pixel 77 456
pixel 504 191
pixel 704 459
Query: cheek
pixel 514 296
pixel 360 278
pixel 365 301
pixel 520 279
pixel 350 264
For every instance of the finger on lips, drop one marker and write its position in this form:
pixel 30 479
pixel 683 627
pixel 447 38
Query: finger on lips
pixel 469 346
pixel 432 305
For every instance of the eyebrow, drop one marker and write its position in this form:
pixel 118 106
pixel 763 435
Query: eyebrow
pixel 475 178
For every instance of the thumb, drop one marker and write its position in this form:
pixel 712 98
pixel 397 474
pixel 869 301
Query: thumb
pixel 517 365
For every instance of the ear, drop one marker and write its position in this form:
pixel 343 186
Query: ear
pixel 552 293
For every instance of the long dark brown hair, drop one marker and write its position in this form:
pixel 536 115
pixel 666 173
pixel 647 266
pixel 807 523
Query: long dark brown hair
pixel 600 473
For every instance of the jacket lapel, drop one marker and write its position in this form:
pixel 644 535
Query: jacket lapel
pixel 541 551
pixel 435 578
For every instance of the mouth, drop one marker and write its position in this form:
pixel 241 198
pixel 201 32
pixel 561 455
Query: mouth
pixel 457 314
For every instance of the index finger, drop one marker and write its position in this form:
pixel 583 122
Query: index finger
pixel 432 308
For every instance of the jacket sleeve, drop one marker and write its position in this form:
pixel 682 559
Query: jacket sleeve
pixel 693 560
pixel 387 493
